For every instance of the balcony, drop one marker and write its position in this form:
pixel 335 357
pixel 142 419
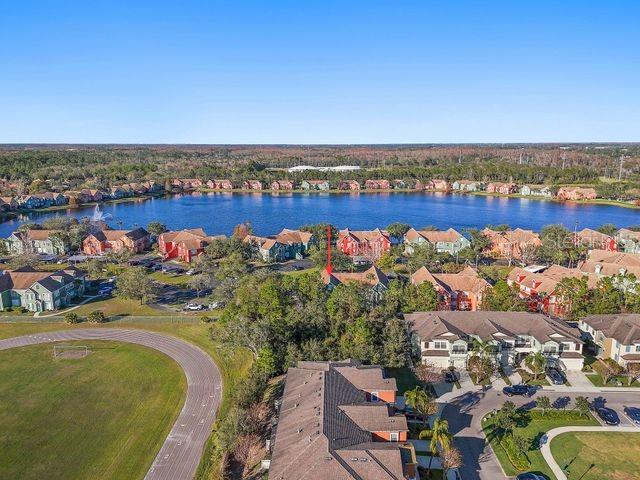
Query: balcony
pixel 458 351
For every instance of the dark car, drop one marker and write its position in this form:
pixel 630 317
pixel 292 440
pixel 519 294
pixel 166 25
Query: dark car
pixel 529 476
pixel 524 390
pixel 555 376
pixel 608 416
pixel 449 377
pixel 633 413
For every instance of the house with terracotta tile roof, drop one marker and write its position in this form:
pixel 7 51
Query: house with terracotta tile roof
pixel 46 242
pixel 282 185
pixel 511 244
pixel 615 336
pixel 501 188
pixel 593 239
pixel 576 193
pixel 334 423
pixel 538 288
pixel 252 185
pixel 184 245
pixel 364 244
pixel 373 184
pixel 444 241
pixel 104 241
pixel 349 185
pixel 437 184
pixel 607 264
pixel 40 291
pixel 464 290
pixel 445 339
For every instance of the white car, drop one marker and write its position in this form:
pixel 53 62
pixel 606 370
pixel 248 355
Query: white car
pixel 196 307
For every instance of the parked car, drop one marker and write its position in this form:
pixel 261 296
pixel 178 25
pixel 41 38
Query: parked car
pixel 194 307
pixel 105 290
pixel 191 271
pixel 555 376
pixel 216 305
pixel 529 476
pixel 633 413
pixel 608 415
pixel 521 389
pixel 450 377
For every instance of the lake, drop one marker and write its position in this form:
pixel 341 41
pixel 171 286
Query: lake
pixel 218 213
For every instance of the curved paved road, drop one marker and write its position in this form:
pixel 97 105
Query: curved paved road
pixel 551 434
pixel 180 454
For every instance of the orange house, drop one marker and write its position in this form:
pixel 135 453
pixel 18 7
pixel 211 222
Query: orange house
pixel 364 243
pixel 349 185
pixel 286 185
pixel 252 185
pixel 576 193
pixel 104 241
pixel 502 188
pixel 184 245
pixel 438 184
pixel 511 243
pixel 377 185
pixel 456 291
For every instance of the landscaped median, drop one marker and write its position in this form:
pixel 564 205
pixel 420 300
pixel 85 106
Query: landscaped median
pixel 514 435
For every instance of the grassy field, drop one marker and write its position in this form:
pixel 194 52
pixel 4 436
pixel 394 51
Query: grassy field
pixel 233 364
pixel 102 416
pixel 118 306
pixel 532 426
pixel 598 381
pixel 170 279
pixel 598 455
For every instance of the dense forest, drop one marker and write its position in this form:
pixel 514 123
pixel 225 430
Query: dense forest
pixel 102 166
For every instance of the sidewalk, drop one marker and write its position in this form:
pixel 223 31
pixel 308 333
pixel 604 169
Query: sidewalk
pixel 551 434
pixel 62 312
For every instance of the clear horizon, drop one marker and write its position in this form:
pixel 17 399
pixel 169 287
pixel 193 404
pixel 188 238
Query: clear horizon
pixel 335 73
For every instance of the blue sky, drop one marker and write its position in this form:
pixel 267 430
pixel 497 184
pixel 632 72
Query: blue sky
pixel 308 71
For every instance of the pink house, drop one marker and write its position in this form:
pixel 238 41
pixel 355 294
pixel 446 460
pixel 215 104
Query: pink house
pixel 286 185
pixel 438 184
pixel 576 193
pixel 377 185
pixel 349 185
pixel 502 188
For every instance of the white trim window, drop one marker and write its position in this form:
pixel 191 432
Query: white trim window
pixel 374 397
pixel 394 436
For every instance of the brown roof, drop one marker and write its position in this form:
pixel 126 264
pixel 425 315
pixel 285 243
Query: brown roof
pixel 373 276
pixel 467 280
pixel 191 238
pixel 369 378
pixel 433 236
pixel 517 236
pixel 625 328
pixel 611 263
pixel 364 235
pixel 589 235
pixel 489 325
pixel 293 236
pixel 316 438
pixel 375 417
pixel 33 234
pixel 547 280
pixel 24 278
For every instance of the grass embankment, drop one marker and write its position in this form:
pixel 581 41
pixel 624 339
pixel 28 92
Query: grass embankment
pixel 598 455
pixel 617 381
pixel 102 416
pixel 115 306
pixel 532 425
pixel 233 364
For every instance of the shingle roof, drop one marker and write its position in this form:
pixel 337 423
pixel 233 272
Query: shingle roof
pixel 467 280
pixel 490 325
pixel 373 276
pixel 625 328
pixel 434 236
pixel 547 280
pixel 611 263
pixel 318 433
pixel 364 235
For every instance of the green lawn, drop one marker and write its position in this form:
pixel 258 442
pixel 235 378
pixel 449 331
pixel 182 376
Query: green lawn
pixel 102 416
pixel 614 456
pixel 233 364
pixel 405 378
pixel 118 306
pixel 170 279
pixel 533 425
pixel 598 381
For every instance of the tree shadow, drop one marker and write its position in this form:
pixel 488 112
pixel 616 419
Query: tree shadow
pixel 561 403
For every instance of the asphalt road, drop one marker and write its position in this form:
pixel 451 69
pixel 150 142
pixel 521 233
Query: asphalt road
pixel 464 414
pixel 180 453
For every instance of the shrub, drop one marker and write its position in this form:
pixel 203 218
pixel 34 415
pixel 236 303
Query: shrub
pixel 517 458
pixel 97 316
pixel 71 318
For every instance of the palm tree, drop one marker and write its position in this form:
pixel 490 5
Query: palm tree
pixel 537 363
pixel 421 403
pixel 482 348
pixel 441 438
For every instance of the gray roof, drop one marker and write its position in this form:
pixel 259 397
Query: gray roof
pixel 489 325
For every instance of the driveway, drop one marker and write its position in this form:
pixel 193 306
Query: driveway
pixel 465 412
pixel 180 453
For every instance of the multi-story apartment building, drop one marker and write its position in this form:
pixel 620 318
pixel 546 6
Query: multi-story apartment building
pixel 337 420
pixel 615 336
pixel 445 339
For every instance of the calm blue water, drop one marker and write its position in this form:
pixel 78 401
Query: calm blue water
pixel 218 213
